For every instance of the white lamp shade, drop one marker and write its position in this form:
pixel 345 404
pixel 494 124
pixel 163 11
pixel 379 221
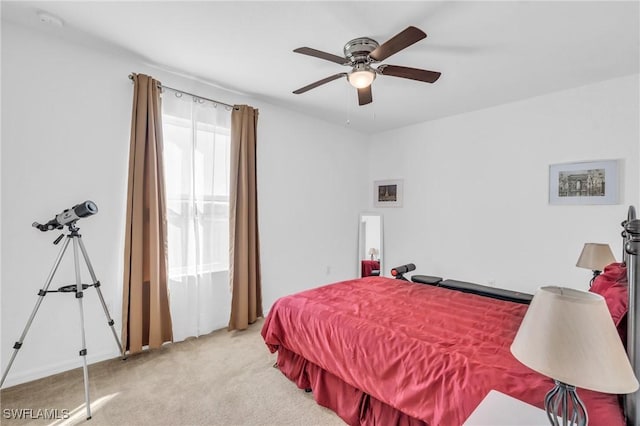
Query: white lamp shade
pixel 595 256
pixel 569 335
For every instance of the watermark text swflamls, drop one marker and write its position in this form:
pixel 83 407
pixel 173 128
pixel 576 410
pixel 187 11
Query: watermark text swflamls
pixel 34 414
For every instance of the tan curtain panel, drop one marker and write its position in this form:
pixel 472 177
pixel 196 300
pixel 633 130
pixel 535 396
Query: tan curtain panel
pixel 146 319
pixel 244 247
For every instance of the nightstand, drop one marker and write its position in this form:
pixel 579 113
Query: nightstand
pixel 498 409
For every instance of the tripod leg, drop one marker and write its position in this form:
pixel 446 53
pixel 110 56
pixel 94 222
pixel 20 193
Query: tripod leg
pixel 83 351
pixel 41 294
pixel 97 287
pixel 83 354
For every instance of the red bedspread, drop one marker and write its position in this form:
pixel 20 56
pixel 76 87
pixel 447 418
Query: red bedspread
pixel 429 352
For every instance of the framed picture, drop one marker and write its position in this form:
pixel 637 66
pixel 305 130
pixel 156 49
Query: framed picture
pixel 387 193
pixel 593 182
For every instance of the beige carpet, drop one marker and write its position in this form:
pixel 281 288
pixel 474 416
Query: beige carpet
pixel 224 378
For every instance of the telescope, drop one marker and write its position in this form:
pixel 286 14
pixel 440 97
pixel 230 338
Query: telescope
pixel 68 216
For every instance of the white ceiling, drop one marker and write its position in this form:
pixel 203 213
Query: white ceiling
pixel 489 53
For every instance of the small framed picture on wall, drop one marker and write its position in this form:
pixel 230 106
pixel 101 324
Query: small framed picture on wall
pixel 594 182
pixel 387 193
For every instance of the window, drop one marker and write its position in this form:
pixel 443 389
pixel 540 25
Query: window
pixel 196 157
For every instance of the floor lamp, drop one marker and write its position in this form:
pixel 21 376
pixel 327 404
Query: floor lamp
pixel 554 340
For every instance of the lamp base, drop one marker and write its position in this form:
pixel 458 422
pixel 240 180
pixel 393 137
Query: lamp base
pixel 595 274
pixel 565 398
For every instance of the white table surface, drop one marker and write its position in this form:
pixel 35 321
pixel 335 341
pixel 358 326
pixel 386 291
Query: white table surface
pixel 498 409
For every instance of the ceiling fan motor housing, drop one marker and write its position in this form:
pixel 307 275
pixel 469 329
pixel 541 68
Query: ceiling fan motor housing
pixel 358 49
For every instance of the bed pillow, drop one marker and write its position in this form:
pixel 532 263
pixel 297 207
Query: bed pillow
pixel 613 286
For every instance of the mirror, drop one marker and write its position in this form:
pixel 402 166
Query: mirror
pixel 370 253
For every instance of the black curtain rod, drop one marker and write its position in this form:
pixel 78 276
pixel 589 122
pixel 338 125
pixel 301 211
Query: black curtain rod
pixel 162 86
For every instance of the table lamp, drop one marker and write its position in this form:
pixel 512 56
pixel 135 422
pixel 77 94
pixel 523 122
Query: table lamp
pixel 595 256
pixel 569 336
pixel 373 252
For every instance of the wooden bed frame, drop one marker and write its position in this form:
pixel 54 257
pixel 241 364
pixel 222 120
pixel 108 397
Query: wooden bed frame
pixel 630 253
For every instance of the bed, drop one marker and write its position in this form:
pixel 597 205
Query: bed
pixel 381 351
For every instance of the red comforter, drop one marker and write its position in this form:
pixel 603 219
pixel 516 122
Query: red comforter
pixel 429 352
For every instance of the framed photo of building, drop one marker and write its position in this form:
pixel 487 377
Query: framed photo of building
pixel 594 182
pixel 387 193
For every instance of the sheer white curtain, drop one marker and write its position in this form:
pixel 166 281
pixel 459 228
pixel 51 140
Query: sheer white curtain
pixel 196 148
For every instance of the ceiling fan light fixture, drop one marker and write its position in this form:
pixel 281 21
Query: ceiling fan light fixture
pixel 362 76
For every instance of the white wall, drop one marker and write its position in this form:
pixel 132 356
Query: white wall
pixel 65 139
pixel 312 187
pixel 476 187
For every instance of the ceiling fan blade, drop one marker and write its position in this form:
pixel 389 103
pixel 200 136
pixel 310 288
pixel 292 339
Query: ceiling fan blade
pixel 411 73
pixel 365 96
pixel 398 42
pixel 322 55
pixel 319 83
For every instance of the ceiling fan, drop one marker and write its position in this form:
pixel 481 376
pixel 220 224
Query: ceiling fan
pixel 361 52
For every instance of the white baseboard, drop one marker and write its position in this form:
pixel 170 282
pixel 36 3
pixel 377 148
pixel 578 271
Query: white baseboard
pixel 44 371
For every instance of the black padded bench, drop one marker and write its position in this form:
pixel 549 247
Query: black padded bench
pixel 481 290
pixel 425 279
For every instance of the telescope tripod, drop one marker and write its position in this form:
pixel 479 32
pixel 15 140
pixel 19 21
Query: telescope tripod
pixel 78 290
